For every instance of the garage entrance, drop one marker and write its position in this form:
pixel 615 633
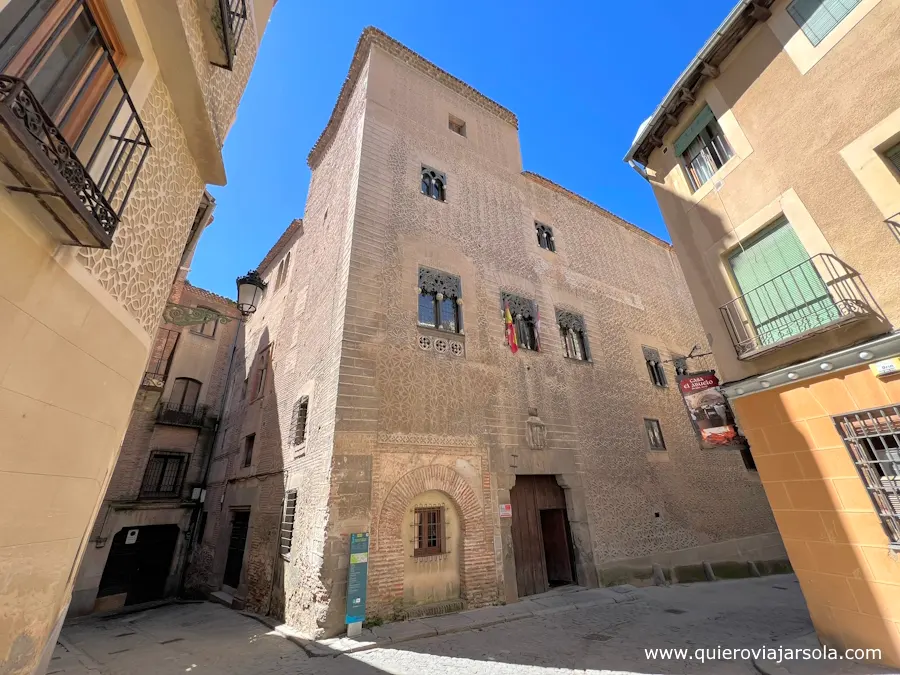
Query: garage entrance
pixel 139 563
pixel 540 531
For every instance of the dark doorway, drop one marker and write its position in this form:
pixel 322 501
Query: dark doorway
pixel 540 532
pixel 240 523
pixel 139 563
pixel 554 528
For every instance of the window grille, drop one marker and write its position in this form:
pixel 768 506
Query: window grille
pixel 164 475
pixel 873 439
pixel 654 434
pixel 428 524
pixel 287 522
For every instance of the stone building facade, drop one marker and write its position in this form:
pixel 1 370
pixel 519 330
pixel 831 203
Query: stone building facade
pixel 366 420
pixel 112 119
pixel 150 514
pixel 775 160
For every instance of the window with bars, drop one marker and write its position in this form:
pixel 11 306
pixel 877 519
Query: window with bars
pixel 164 475
pixel 654 367
pixel 434 183
pixel 524 315
pixel 873 439
pixel 572 335
pixel 892 155
pixel 545 237
pixel 703 148
pixel 440 300
pixel 298 421
pixel 287 522
pixel 817 18
pixel 654 434
pixel 249 442
pixel 209 328
pixel 428 535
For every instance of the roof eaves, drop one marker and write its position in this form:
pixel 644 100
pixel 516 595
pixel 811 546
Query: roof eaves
pixel 704 66
pixel 279 246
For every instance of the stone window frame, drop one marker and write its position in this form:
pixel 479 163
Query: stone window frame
pixel 421 533
pixel 655 369
pixel 524 312
pixel 434 184
pixel 571 324
pixel 545 237
pixel 441 286
pixel 655 438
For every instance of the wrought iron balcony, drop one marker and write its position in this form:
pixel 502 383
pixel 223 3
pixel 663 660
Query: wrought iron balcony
pixel 71 140
pixel 813 296
pixel 229 18
pixel 183 415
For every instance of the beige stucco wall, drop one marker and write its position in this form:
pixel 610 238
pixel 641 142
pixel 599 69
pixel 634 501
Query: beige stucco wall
pixel 75 338
pixel 431 578
pixel 807 130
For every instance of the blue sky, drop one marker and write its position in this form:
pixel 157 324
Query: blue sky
pixel 580 77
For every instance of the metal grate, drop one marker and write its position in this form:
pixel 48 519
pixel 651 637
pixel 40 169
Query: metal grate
pixel 873 439
pixel 298 421
pixel 230 17
pixel 164 475
pixel 287 522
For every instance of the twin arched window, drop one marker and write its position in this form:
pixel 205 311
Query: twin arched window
pixel 545 237
pixel 434 183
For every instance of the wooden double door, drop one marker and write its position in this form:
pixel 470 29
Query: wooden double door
pixel 541 538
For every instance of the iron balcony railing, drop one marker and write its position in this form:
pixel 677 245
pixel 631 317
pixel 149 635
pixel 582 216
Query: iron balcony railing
pixel 810 297
pixel 183 415
pixel 160 359
pixel 70 135
pixel 230 17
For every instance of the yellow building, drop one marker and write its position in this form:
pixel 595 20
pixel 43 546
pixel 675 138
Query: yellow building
pixel 775 159
pixel 112 118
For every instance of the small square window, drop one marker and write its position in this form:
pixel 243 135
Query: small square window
pixel 457 126
pixel 654 434
pixel 249 442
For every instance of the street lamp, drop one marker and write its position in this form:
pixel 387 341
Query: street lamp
pixel 250 291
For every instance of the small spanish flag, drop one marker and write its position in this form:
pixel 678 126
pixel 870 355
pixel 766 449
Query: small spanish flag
pixel 510 329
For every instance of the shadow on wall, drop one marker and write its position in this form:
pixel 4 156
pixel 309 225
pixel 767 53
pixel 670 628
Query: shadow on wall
pixel 834 538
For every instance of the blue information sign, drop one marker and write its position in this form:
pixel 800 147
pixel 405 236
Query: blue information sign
pixel 356 582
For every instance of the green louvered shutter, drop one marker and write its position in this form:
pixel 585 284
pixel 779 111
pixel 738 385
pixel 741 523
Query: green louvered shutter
pixel 783 293
pixel 893 156
pixel 817 18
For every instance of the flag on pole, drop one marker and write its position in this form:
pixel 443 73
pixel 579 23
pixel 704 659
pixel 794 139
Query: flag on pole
pixel 510 329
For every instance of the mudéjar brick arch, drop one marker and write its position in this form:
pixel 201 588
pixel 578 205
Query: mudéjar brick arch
pixel 477 576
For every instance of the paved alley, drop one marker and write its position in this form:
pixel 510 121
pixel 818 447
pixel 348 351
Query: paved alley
pixel 205 638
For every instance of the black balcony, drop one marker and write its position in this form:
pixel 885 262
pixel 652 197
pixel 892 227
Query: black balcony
pixel 814 296
pixel 229 18
pixel 71 140
pixel 183 415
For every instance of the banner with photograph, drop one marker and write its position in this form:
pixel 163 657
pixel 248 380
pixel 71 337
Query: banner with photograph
pixel 709 411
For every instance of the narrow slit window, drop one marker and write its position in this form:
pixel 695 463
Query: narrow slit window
pixel 298 421
pixel 249 442
pixel 654 434
pixel 287 522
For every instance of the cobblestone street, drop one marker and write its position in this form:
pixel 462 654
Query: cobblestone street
pixel 607 638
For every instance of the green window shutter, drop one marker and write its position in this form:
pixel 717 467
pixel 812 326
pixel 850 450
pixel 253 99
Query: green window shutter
pixel 782 291
pixel 817 18
pixel 699 124
pixel 893 156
